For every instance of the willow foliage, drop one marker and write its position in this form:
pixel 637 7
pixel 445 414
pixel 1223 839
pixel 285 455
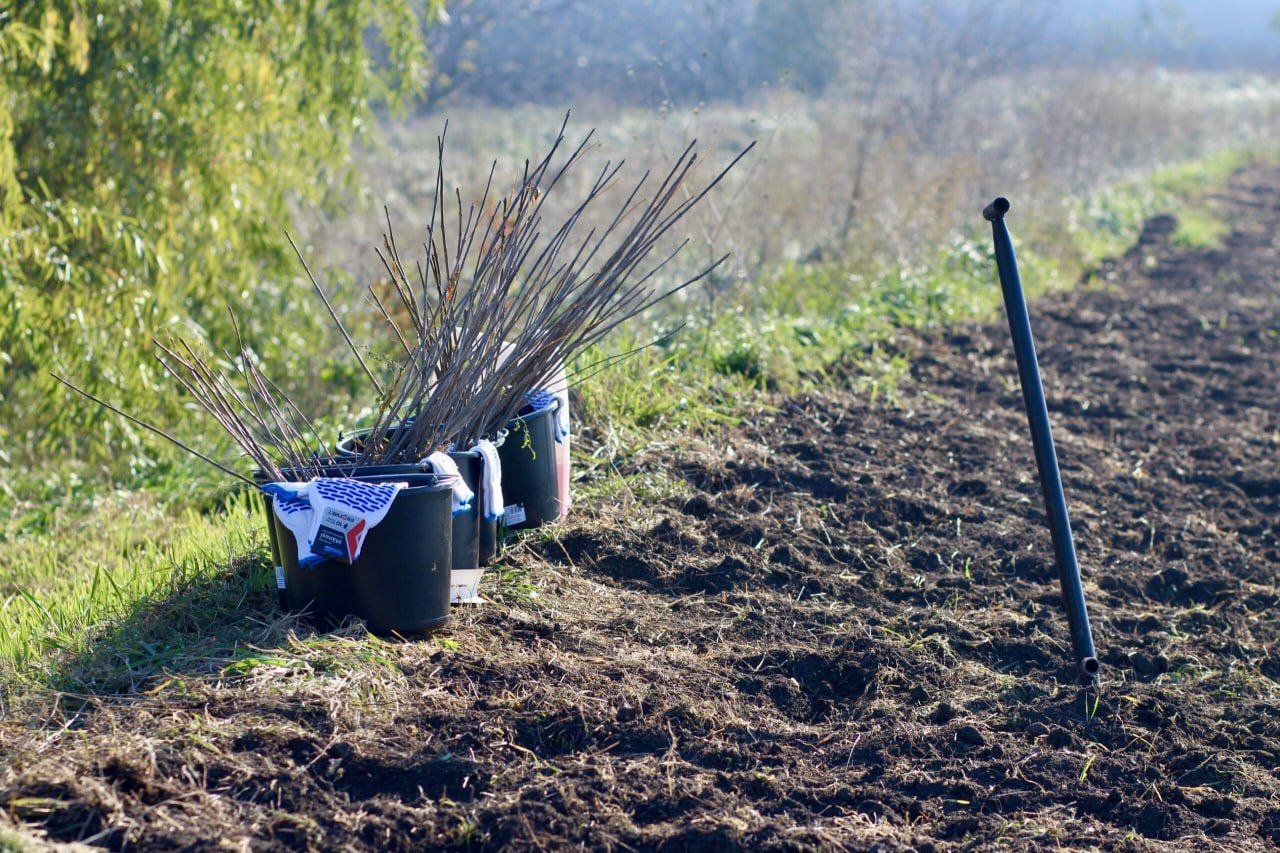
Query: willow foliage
pixel 149 154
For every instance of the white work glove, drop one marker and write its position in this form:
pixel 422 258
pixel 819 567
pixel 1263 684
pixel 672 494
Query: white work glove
pixel 442 463
pixel 331 516
pixel 493 502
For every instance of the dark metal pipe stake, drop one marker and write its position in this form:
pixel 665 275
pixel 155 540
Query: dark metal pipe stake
pixel 1064 549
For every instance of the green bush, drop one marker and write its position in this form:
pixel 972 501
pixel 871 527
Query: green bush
pixel 150 153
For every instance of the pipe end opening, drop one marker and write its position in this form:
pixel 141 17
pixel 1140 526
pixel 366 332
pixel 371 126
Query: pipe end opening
pixel 997 209
pixel 1090 666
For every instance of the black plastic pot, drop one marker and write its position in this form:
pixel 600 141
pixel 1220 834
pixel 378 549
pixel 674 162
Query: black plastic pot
pixel 344 466
pixel 490 542
pixel 475 539
pixel 282 595
pixel 294 589
pixel 400 583
pixel 466 524
pixel 529 469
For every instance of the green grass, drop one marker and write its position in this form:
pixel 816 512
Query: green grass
pixel 1109 221
pixel 811 319
pixel 808 319
pixel 1199 229
pixel 12 842
pixel 125 590
pixel 104 601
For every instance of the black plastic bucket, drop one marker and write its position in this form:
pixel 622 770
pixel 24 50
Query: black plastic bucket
pixel 294 590
pixel 400 583
pixel 528 457
pixel 490 542
pixel 475 539
pixel 282 595
pixel 466 524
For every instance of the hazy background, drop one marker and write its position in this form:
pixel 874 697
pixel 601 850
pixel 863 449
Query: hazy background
pixel 642 51
pixel 881 125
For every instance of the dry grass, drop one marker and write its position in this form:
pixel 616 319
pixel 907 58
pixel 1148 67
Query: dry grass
pixel 1045 139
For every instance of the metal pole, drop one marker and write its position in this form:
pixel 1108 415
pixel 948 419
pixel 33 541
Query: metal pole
pixel 1064 549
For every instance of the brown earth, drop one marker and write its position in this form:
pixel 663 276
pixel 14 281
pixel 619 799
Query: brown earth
pixel 844 632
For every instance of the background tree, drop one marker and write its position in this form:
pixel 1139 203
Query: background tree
pixel 149 154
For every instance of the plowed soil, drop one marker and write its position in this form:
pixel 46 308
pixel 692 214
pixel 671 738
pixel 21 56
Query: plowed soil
pixel 841 628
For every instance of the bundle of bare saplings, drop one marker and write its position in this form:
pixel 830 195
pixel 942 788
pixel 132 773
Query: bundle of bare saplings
pixel 468 380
